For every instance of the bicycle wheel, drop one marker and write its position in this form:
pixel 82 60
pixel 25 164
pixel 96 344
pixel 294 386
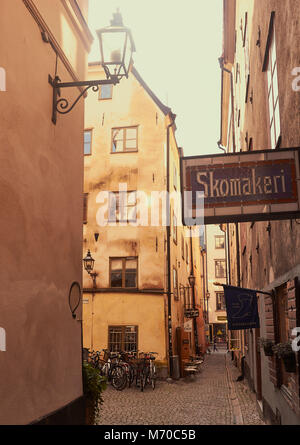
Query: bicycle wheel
pixel 118 377
pixel 131 376
pixel 143 379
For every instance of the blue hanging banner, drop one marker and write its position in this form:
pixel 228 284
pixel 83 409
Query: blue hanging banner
pixel 241 306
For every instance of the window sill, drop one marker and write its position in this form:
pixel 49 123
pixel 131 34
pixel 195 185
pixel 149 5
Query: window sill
pixel 115 221
pixel 122 152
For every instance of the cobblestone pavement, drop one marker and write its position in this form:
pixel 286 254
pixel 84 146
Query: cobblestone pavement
pixel 213 397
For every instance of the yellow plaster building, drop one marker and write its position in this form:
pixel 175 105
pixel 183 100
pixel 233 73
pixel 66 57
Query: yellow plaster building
pixel 142 264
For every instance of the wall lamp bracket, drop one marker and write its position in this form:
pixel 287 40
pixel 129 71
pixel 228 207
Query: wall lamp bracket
pixel 61 105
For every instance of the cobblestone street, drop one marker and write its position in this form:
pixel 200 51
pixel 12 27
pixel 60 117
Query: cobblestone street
pixel 213 397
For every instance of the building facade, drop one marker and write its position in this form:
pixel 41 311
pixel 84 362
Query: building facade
pixel 41 220
pixel 260 110
pixel 143 263
pixel 216 273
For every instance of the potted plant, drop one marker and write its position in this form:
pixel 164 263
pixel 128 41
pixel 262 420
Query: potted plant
pixel 285 352
pixel 267 346
pixel 93 386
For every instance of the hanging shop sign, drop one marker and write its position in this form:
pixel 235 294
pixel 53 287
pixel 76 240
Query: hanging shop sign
pixel 188 326
pixel 241 307
pixel 245 186
pixel 191 313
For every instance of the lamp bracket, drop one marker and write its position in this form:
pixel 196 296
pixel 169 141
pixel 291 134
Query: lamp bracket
pixel 61 105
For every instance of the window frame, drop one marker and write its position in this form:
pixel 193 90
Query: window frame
pixel 223 306
pixel 174 227
pixel 100 90
pixel 123 335
pixel 182 246
pixel 124 139
pixel 117 219
pixel 187 252
pixel 271 39
pixel 218 237
pixel 225 271
pixel 85 208
pixel 123 271
pixel 175 284
pixel 88 130
pixel 175 182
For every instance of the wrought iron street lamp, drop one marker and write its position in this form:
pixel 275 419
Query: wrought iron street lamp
pixel 116 48
pixel 89 262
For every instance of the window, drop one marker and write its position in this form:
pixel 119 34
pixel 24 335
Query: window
pixel 122 206
pixel 124 139
pixel 175 177
pixel 220 301
pixel 174 228
pixel 182 247
pixel 88 142
pixel 175 284
pixel 220 269
pixel 122 338
pixel 244 33
pixel 123 272
pixel 105 92
pixel 219 242
pixel 187 253
pixel 273 98
pixel 85 207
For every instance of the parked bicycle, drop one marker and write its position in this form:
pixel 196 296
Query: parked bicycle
pixel 109 366
pixel 124 368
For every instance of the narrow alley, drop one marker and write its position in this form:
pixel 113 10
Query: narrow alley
pixel 212 397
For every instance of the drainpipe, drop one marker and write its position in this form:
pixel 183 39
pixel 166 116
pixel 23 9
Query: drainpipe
pixel 170 342
pixel 228 254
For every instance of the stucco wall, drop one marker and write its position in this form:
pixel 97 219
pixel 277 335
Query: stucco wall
pixel 213 254
pixel 144 170
pixel 41 186
pixel 115 309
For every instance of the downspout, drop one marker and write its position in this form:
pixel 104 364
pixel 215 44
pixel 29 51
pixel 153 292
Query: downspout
pixel 170 342
pixel 228 252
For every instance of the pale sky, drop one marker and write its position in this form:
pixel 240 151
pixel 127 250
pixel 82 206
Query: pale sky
pixel 178 43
